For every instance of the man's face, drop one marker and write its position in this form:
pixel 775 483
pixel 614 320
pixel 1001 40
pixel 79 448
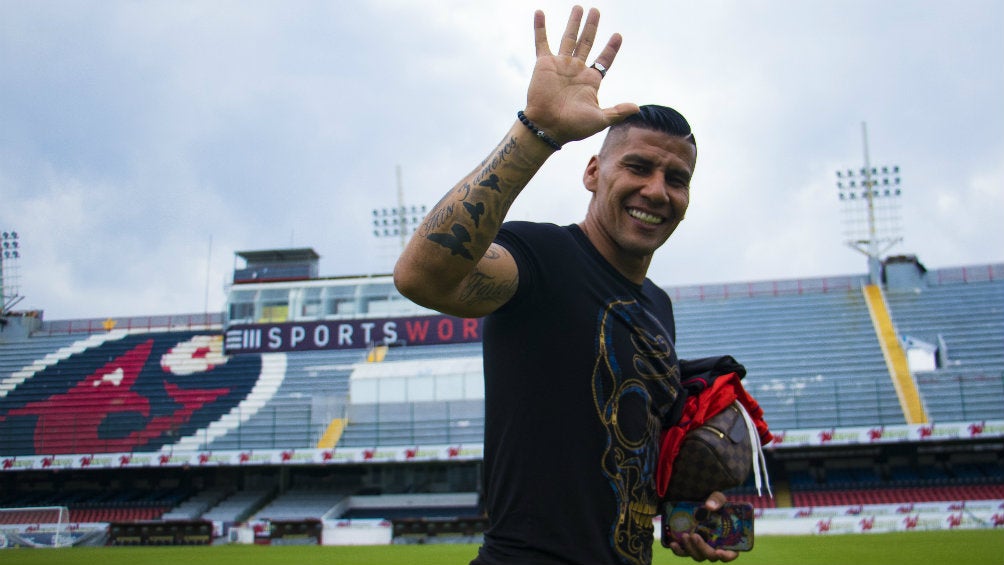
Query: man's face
pixel 641 189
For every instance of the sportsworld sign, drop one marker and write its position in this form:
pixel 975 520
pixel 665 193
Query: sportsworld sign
pixel 351 334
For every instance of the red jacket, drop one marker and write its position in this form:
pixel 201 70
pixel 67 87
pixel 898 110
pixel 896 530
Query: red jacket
pixel 709 391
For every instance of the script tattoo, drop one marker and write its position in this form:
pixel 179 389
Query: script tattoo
pixel 484 288
pixel 496 160
pixel 437 218
pixel 474 202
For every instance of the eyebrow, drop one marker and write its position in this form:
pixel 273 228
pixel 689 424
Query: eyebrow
pixel 677 172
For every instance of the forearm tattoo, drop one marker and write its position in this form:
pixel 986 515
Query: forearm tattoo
pixel 485 203
pixel 485 288
pixel 438 217
pixel 475 211
pixel 454 241
pixel 491 182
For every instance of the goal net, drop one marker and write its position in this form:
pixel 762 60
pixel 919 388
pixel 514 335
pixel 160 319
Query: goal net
pixel 38 526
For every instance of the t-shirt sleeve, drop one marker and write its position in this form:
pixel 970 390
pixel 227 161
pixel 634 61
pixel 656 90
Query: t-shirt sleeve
pixel 528 243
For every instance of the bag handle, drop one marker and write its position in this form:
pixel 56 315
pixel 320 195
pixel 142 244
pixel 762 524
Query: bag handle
pixel 759 460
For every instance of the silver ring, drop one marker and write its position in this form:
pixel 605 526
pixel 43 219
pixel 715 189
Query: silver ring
pixel 603 70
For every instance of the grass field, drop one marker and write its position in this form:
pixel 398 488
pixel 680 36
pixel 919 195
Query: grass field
pixel 964 547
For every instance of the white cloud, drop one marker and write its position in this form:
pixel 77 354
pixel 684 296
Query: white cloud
pixel 135 132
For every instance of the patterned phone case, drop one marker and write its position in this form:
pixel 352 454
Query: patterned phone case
pixel 729 527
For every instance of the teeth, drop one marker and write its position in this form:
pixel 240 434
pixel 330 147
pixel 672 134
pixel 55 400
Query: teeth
pixel 644 216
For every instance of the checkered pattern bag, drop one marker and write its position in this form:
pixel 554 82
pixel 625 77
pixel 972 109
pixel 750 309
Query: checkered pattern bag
pixel 712 443
pixel 714 457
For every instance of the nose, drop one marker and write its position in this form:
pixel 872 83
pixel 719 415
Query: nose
pixel 655 190
pixel 661 195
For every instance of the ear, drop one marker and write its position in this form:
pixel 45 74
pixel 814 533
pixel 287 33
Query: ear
pixel 591 176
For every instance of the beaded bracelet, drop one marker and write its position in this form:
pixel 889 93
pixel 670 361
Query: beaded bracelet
pixel 537 131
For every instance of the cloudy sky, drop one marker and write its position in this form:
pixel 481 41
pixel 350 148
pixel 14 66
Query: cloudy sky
pixel 142 143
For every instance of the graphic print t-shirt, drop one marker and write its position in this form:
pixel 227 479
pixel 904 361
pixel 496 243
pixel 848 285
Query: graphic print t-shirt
pixel 580 370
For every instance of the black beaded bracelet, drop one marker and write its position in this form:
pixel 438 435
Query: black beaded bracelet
pixel 537 131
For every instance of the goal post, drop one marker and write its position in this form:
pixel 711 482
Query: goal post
pixel 35 526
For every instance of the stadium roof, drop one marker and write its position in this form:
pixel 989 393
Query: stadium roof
pixel 279 255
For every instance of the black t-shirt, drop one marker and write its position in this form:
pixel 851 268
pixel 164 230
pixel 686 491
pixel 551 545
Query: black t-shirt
pixel 580 370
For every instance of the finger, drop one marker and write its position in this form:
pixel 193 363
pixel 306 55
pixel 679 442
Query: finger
pixel 540 34
pixel 727 555
pixel 677 550
pixel 697 548
pixel 609 53
pixel 585 43
pixel 570 38
pixel 694 546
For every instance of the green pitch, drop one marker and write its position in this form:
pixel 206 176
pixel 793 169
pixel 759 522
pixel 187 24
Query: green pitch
pixel 971 547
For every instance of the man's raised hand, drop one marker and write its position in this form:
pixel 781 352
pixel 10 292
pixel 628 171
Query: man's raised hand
pixel 562 97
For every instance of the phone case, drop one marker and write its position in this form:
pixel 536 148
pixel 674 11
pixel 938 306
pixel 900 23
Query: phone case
pixel 729 527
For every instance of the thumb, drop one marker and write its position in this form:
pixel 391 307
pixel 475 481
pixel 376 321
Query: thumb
pixel 715 501
pixel 620 112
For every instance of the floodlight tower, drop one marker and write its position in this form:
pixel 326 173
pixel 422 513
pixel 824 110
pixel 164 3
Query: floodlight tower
pixel 10 254
pixel 397 222
pixel 870 198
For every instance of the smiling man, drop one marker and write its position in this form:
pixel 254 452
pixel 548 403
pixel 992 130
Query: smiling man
pixel 641 187
pixel 581 373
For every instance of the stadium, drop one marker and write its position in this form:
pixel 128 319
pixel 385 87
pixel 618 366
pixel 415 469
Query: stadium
pixel 332 411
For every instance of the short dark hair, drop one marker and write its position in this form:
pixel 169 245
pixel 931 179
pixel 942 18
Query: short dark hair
pixel 658 118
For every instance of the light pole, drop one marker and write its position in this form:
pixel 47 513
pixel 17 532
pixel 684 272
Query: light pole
pixel 10 253
pixel 870 197
pixel 397 222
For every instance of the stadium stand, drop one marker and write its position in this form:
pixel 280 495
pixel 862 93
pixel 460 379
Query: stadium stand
pixel 194 507
pixel 846 497
pixel 238 506
pixel 812 359
pixel 417 397
pixel 404 506
pixel 965 324
pixel 415 423
pixel 809 346
pixel 92 504
pixel 810 352
pixel 313 391
pixel 300 505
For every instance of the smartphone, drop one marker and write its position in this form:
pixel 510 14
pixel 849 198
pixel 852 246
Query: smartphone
pixel 729 527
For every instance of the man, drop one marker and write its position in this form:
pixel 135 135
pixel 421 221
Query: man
pixel 580 370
